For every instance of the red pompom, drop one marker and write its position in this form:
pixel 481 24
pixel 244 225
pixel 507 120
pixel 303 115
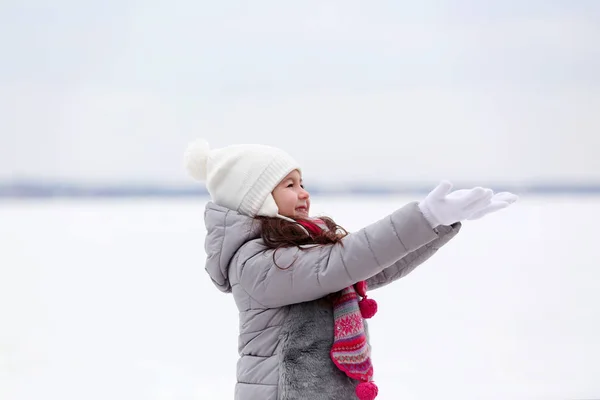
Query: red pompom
pixel 368 307
pixel 367 391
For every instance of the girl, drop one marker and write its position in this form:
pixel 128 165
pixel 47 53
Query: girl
pixel 299 282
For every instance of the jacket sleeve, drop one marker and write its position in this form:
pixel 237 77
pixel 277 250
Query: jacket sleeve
pixel 409 262
pixel 314 272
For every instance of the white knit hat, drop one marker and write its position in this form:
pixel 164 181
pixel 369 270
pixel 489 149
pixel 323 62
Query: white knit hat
pixel 240 177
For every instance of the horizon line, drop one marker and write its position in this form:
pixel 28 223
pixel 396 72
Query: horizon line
pixel 42 189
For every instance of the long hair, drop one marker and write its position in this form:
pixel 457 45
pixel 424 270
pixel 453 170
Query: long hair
pixel 278 233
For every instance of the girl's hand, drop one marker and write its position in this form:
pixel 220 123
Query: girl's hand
pixel 442 207
pixel 499 201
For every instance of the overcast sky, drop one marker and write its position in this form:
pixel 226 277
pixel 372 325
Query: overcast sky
pixel 356 90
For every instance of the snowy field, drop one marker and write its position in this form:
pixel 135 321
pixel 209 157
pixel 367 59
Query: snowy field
pixel 108 299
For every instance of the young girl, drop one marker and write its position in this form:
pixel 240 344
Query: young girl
pixel 299 282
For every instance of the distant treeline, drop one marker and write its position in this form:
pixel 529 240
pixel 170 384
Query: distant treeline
pixel 48 190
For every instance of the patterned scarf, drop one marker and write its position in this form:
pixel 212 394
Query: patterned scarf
pixel 351 352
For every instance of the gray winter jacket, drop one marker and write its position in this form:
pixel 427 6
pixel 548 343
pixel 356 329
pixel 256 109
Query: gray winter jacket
pixel 286 316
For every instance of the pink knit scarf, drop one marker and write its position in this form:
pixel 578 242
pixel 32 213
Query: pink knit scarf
pixel 351 352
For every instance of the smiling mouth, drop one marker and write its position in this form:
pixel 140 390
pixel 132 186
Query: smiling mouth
pixel 301 209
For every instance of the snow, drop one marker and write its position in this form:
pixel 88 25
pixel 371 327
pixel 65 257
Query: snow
pixel 108 299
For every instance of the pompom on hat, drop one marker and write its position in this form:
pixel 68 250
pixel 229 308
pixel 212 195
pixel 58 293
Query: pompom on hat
pixel 240 177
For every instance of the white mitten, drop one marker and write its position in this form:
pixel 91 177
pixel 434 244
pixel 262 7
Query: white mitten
pixel 440 207
pixel 499 201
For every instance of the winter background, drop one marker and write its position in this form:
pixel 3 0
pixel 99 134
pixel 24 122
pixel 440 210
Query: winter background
pixel 103 294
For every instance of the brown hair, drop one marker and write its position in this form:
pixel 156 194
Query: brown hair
pixel 278 233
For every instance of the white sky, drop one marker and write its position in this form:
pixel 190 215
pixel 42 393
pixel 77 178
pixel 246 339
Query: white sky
pixel 368 91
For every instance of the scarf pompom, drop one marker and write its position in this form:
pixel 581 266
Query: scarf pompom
pixel 366 391
pixel 368 307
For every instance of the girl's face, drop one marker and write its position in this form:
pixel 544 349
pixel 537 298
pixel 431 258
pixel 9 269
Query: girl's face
pixel 291 198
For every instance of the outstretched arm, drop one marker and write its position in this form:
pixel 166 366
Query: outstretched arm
pixel 320 270
pixel 409 262
pixel 312 273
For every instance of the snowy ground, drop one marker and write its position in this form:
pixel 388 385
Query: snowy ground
pixel 109 300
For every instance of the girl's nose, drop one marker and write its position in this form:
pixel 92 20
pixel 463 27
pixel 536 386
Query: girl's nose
pixel 304 194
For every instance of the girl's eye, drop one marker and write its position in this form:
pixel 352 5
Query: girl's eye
pixel 290 185
pixel 302 186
